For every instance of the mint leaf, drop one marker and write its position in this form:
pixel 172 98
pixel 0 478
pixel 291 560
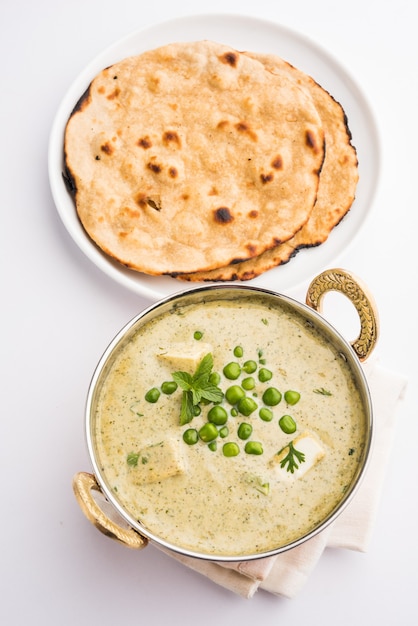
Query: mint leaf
pixel 204 368
pixel 196 387
pixel 212 393
pixel 183 379
pixel 186 412
pixel 196 394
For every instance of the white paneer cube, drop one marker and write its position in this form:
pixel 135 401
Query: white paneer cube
pixel 307 444
pixel 157 462
pixel 184 356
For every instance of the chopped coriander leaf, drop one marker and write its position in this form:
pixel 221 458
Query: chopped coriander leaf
pixel 135 409
pixel 132 459
pixel 289 459
pixel 258 483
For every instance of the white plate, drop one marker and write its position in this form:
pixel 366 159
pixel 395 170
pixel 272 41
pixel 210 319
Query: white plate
pixel 243 33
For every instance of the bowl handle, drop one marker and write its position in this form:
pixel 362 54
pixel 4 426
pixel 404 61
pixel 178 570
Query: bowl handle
pixel 83 485
pixel 345 282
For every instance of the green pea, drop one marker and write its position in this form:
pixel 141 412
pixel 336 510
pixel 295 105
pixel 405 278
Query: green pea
pixel 230 449
pixel 265 414
pixel 198 335
pixel 190 436
pixel 169 387
pixel 246 406
pixel 234 394
pixel 244 430
pixel 196 410
pixel 248 383
pixel 213 446
pixel 253 447
pixel 238 351
pixel 287 424
pixel 264 375
pixel 232 370
pixel 208 432
pixel 234 412
pixel 152 395
pixel 224 432
pixel 272 396
pixel 249 367
pixel 292 397
pixel 217 415
pixel 215 378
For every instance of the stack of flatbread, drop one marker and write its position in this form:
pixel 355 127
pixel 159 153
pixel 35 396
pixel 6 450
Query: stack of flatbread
pixel 204 163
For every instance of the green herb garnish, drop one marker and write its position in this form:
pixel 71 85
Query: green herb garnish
pixel 135 409
pixel 289 459
pixel 197 387
pixel 132 459
pixel 322 391
pixel 258 483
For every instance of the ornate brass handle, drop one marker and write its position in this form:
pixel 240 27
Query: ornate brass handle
pixel 83 485
pixel 344 282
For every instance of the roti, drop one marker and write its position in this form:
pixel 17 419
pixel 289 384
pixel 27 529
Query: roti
pixel 337 184
pixel 192 157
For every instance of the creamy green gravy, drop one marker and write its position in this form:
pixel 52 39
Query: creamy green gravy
pixel 213 506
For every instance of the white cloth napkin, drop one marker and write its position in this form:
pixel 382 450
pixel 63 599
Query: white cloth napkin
pixel 285 574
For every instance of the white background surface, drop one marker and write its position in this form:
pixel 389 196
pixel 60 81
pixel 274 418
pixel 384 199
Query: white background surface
pixel 59 312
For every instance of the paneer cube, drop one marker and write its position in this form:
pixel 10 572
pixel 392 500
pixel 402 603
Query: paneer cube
pixel 157 462
pixel 185 356
pixel 307 444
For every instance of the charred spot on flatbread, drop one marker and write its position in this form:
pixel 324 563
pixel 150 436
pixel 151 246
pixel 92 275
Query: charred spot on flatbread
pixel 223 215
pixel 231 58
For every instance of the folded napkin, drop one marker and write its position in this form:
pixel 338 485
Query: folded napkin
pixel 285 574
